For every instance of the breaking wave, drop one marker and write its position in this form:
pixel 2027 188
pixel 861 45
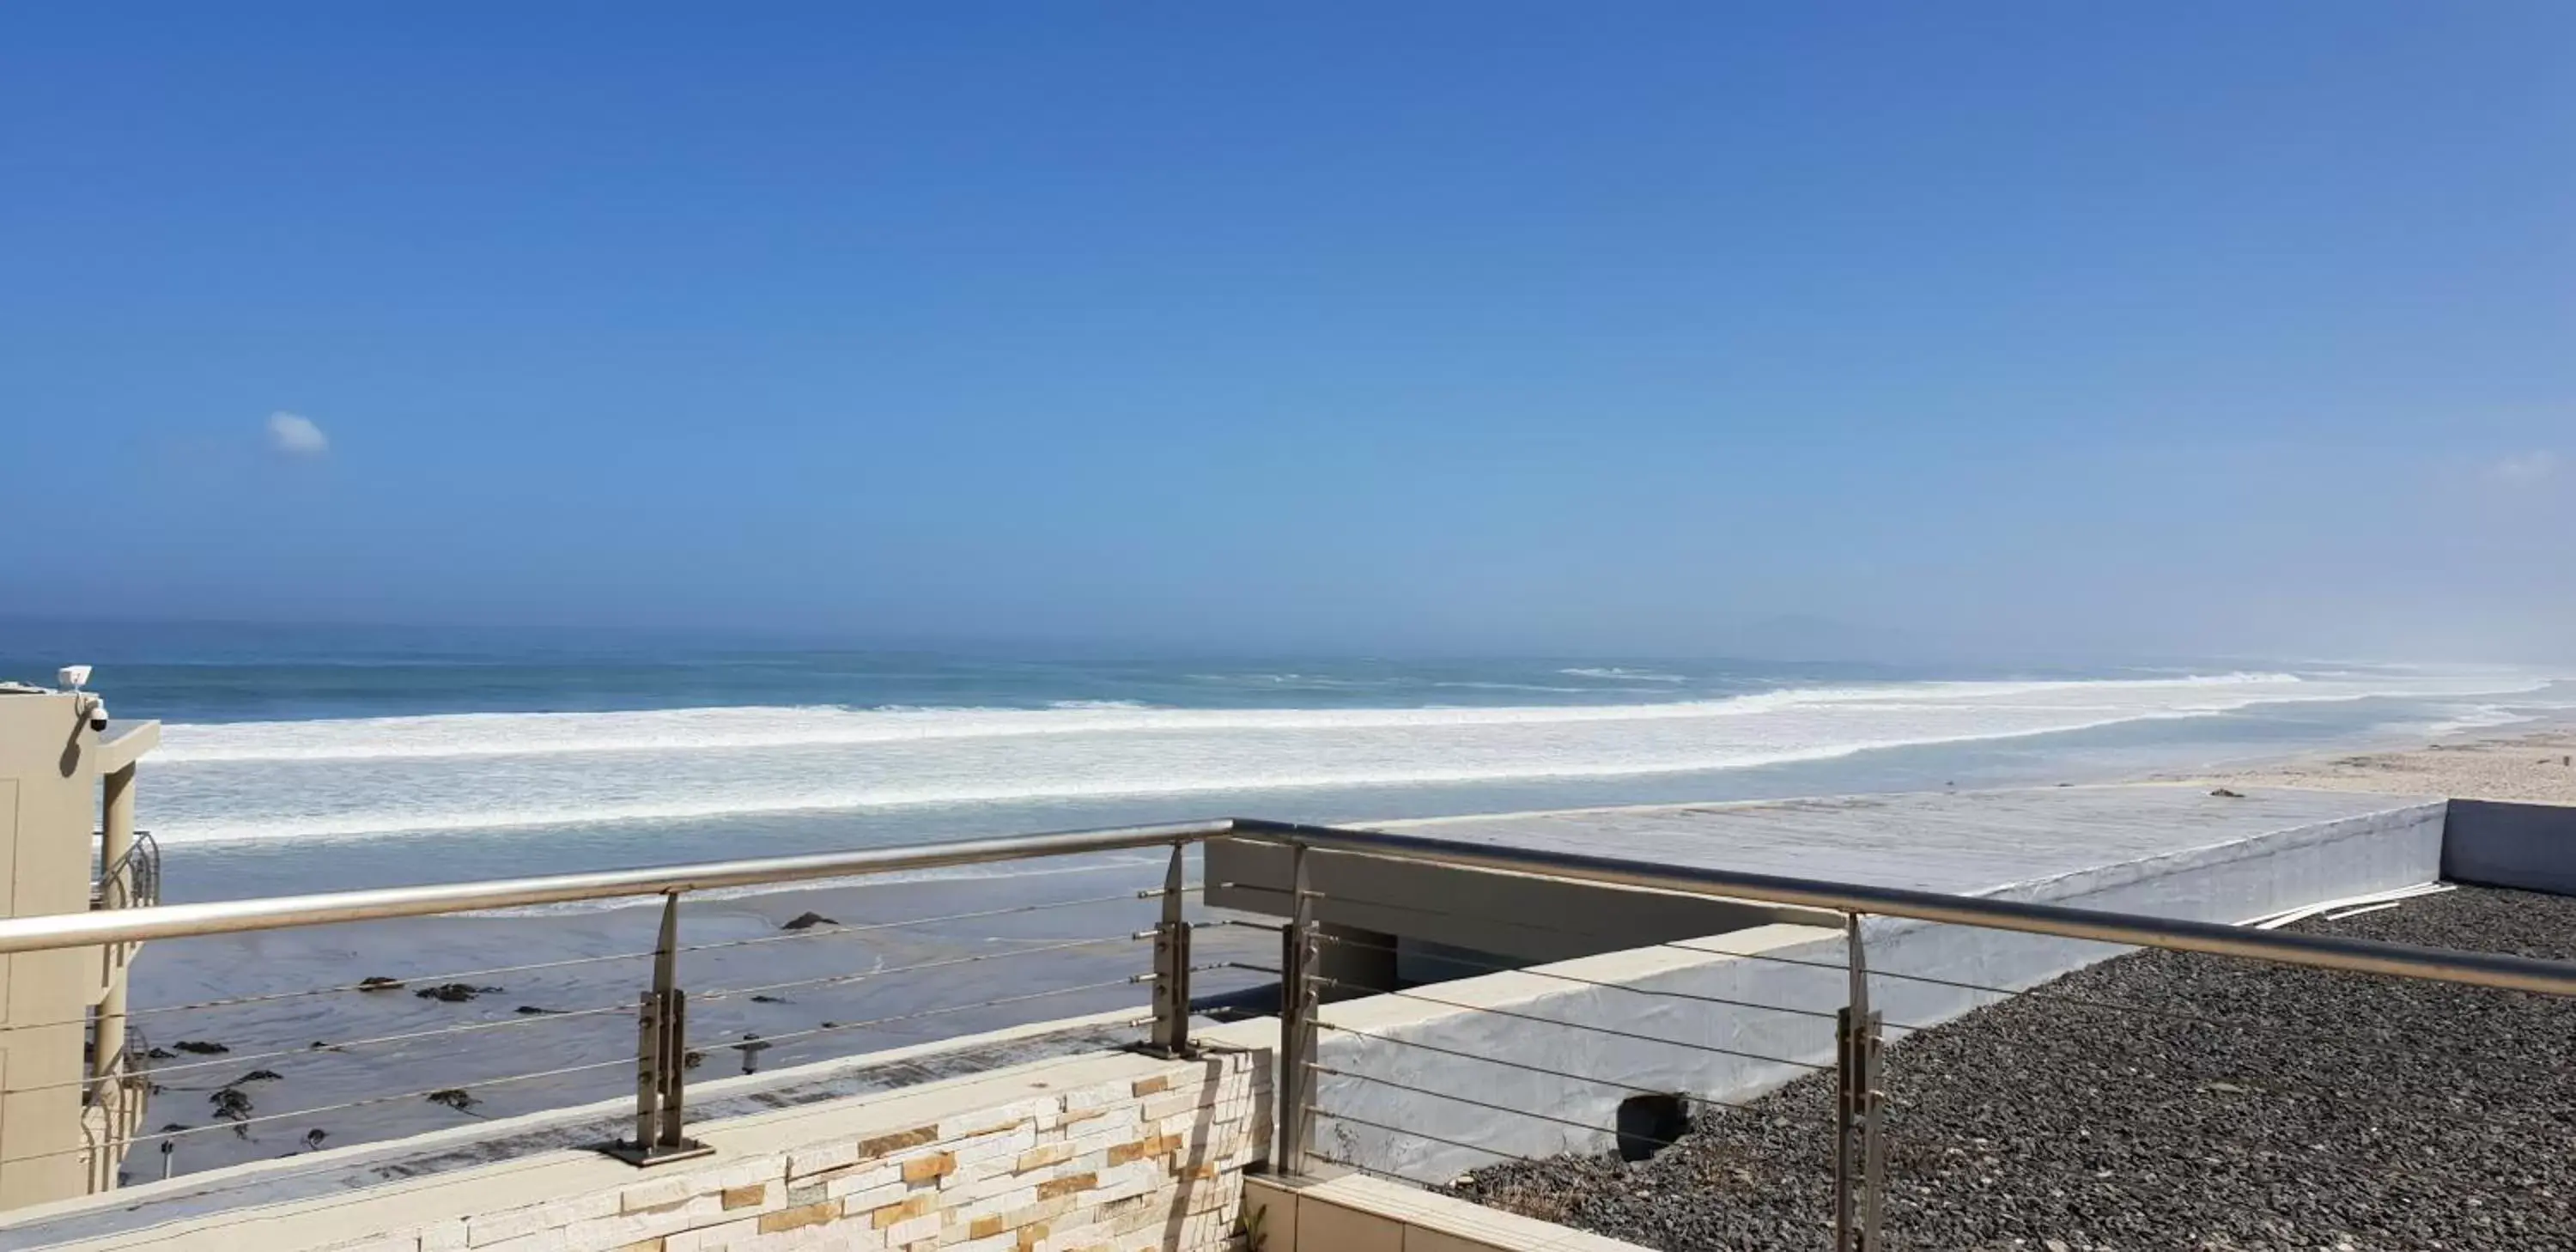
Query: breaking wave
pixel 505 771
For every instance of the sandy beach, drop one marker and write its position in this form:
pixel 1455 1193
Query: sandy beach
pixel 2538 767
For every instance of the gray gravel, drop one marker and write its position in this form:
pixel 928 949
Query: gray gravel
pixel 2370 1113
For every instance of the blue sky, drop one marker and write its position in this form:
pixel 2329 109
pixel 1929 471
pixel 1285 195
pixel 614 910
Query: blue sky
pixel 2155 328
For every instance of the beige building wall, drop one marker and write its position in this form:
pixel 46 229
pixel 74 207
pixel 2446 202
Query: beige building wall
pixel 52 765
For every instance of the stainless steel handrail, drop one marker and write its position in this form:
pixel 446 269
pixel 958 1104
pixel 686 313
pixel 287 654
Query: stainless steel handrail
pixel 661 1058
pixel 174 921
pixel 2483 969
pixel 49 932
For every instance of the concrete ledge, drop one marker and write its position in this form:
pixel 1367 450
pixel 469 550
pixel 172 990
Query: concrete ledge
pixel 1473 909
pixel 1357 1213
pixel 125 743
pixel 2501 843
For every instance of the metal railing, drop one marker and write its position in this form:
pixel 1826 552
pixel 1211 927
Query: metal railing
pixel 395 1058
pixel 1525 1064
pixel 662 1049
pixel 80 930
pixel 133 880
pixel 114 1103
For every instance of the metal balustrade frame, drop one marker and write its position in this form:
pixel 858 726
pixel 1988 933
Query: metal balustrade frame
pixel 660 1133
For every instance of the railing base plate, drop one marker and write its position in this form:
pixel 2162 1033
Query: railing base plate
pixel 645 1157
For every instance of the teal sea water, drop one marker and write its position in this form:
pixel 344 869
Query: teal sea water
pixel 319 759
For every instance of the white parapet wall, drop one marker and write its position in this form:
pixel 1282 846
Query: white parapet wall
pixel 1356 1213
pixel 1766 992
pixel 1115 1152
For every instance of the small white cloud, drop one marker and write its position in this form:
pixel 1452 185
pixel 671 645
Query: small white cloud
pixel 2524 468
pixel 295 435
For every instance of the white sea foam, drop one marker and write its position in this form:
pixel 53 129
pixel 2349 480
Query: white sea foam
pixel 506 771
pixel 2477 717
pixel 793 726
pixel 1628 675
pixel 1544 687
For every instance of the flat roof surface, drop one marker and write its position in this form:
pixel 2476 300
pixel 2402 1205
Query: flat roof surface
pixel 1963 842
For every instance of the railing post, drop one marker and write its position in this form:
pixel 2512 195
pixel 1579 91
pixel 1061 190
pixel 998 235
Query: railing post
pixel 1172 965
pixel 1860 1159
pixel 661 1057
pixel 1297 1002
pixel 674 1046
pixel 109 1059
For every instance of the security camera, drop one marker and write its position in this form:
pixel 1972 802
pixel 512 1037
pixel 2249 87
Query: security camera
pixel 97 714
pixel 73 677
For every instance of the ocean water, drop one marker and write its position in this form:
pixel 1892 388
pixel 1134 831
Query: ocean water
pixel 305 760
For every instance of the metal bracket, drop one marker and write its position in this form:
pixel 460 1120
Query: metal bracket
pixel 1297 1016
pixel 1860 1148
pixel 1171 1037
pixel 661 1059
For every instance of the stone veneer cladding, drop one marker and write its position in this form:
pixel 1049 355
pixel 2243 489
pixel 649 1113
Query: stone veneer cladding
pixel 1139 1163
